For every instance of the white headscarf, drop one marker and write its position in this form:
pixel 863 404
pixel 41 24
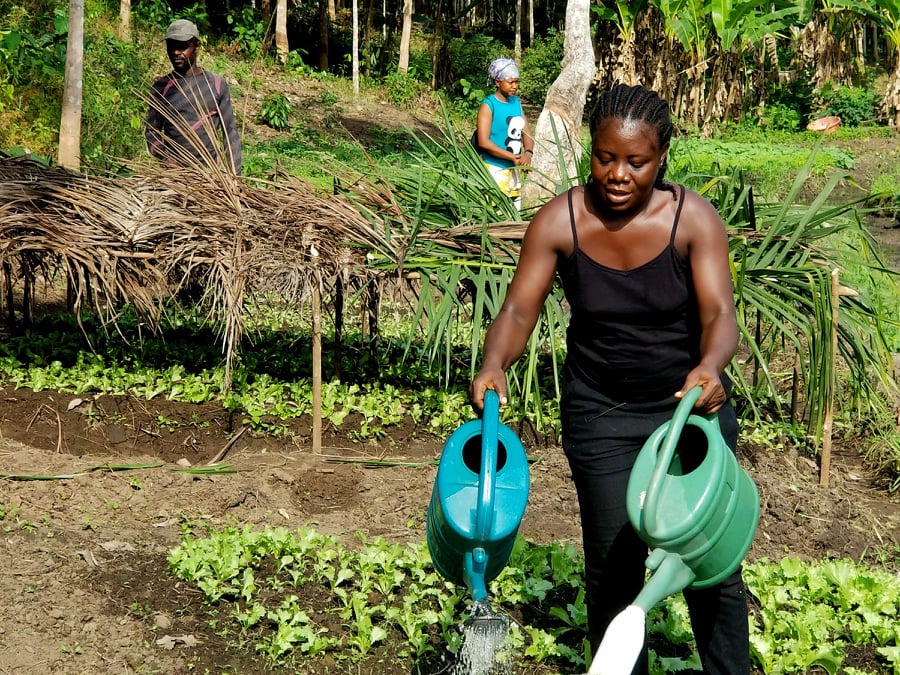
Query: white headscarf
pixel 503 69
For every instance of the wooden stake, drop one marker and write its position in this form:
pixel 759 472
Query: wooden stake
pixel 220 455
pixel 316 360
pixel 836 292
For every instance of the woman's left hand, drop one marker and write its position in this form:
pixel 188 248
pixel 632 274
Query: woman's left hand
pixel 713 396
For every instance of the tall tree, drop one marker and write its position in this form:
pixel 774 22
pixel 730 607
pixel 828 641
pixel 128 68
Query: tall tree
pixel 518 38
pixel 355 54
pixel 70 119
pixel 827 40
pixel 281 37
pixel 740 27
pixel 557 134
pixel 886 14
pixel 889 19
pixel 624 14
pixel 125 20
pixel 405 34
pixel 325 7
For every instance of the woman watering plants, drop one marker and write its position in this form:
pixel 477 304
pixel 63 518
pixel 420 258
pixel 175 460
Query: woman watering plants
pixel 644 266
pixel 502 132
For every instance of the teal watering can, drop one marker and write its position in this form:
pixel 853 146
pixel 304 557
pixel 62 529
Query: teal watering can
pixel 478 500
pixel 696 508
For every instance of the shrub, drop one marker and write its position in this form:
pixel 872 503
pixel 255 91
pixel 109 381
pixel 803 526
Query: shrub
pixel 403 89
pixel 275 111
pixel 780 117
pixel 152 13
pixel 541 64
pixel 854 105
pixel 113 114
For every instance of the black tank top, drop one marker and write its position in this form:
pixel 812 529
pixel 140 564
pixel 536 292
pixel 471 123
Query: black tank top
pixel 634 334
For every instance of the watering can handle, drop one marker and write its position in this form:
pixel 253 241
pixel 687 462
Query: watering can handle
pixel 490 433
pixel 667 452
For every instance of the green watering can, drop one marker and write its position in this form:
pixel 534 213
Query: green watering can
pixel 479 497
pixel 696 508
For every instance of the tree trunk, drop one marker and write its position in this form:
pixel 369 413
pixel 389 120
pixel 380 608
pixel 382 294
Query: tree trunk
pixel 891 102
pixel 369 34
pixel 125 20
pixel 406 31
pixel 355 55
pixel 518 40
pixel 530 22
pixel 281 38
pixel 324 25
pixel 265 9
pixel 558 129
pixel 70 120
pixel 437 45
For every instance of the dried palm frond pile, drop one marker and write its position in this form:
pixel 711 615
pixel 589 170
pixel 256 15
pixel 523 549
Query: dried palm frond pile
pixel 143 238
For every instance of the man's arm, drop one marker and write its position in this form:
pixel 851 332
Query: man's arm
pixel 229 126
pixel 153 131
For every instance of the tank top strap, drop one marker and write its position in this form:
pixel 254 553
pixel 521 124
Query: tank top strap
pixel 572 221
pixel 677 215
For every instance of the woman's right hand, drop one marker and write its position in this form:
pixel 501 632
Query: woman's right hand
pixel 487 378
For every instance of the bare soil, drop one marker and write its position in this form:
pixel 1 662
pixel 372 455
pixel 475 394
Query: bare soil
pixel 84 583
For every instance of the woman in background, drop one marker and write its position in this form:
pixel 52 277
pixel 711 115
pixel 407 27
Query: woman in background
pixel 504 141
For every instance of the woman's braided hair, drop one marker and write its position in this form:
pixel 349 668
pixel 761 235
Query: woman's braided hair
pixel 639 104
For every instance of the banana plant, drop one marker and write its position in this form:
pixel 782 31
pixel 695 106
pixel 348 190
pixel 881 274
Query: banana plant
pixel 885 14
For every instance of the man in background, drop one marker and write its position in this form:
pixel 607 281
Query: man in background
pixel 191 120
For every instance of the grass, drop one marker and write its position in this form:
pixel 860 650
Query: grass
pixel 769 167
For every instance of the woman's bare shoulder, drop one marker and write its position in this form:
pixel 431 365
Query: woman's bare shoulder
pixel 554 216
pixel 697 213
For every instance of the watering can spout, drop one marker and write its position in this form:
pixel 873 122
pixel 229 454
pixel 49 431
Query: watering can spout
pixel 670 575
pixel 475 564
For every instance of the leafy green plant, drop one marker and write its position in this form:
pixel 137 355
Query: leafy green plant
pixel 854 105
pixel 761 164
pixel 403 89
pixel 275 111
pixel 779 116
pixel 153 13
pixel 248 30
pixel 808 614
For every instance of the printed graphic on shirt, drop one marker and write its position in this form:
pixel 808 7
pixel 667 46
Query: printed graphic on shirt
pixel 515 127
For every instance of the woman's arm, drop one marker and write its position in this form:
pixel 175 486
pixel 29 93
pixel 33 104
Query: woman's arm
pixel 710 266
pixel 527 145
pixel 485 144
pixel 535 273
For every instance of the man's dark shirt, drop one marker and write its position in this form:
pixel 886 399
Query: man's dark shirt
pixel 186 114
